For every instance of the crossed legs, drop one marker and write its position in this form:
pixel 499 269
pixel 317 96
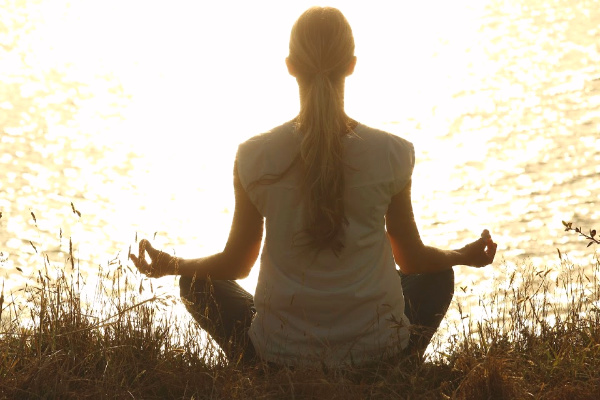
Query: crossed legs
pixel 426 298
pixel 225 310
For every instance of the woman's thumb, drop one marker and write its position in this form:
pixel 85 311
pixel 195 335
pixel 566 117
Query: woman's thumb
pixel 145 245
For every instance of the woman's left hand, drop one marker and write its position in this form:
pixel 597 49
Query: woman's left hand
pixel 481 252
pixel 161 263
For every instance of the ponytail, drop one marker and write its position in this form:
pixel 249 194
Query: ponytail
pixel 321 50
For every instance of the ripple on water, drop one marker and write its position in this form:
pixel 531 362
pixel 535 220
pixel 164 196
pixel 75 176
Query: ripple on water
pixel 514 147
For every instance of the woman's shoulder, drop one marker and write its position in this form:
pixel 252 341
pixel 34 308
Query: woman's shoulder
pixel 383 158
pixel 270 150
pixel 384 140
pixel 280 132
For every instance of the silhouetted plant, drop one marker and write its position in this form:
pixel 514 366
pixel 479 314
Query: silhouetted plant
pixel 591 237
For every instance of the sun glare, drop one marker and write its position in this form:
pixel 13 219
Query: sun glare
pixel 194 79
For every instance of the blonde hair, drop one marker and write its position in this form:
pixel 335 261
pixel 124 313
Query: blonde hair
pixel 321 52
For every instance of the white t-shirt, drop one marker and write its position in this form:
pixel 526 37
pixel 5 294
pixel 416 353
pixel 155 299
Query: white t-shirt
pixel 314 308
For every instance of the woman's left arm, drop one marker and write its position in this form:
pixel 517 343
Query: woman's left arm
pixel 234 262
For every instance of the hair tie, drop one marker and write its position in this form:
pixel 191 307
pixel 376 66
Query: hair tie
pixel 322 74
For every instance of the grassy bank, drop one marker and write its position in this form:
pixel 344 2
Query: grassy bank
pixel 536 336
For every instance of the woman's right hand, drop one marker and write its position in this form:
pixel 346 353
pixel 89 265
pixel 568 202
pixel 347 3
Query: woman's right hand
pixel 161 263
pixel 481 252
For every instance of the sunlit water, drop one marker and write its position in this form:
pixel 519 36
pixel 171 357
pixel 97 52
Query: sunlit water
pixel 132 111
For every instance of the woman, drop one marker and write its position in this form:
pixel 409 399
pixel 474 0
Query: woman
pixel 334 197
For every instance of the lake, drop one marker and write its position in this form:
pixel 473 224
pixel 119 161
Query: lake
pixel 129 114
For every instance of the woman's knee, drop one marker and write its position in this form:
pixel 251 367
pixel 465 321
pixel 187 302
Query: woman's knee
pixel 446 280
pixel 427 296
pixel 189 288
pixel 442 282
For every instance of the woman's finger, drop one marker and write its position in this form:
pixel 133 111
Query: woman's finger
pixel 142 250
pixel 137 261
pixel 491 250
pixel 152 252
pixel 146 247
pixel 480 243
pixel 157 262
pixel 140 264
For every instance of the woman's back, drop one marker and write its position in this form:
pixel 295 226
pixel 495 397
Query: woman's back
pixel 335 198
pixel 316 305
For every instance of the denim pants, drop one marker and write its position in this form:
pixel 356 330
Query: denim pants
pixel 225 310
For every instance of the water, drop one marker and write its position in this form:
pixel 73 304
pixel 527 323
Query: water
pixel 133 112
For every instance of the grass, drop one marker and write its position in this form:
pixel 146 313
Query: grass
pixel 536 336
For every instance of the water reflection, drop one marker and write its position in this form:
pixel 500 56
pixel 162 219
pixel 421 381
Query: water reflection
pixel 137 125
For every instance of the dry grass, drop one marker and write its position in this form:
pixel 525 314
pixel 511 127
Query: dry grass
pixel 536 336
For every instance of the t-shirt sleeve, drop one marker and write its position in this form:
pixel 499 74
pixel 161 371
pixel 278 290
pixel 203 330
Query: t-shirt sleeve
pixel 242 169
pixel 402 162
pixel 249 160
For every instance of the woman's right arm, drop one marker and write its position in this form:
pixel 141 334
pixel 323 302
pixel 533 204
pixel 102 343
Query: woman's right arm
pixel 413 257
